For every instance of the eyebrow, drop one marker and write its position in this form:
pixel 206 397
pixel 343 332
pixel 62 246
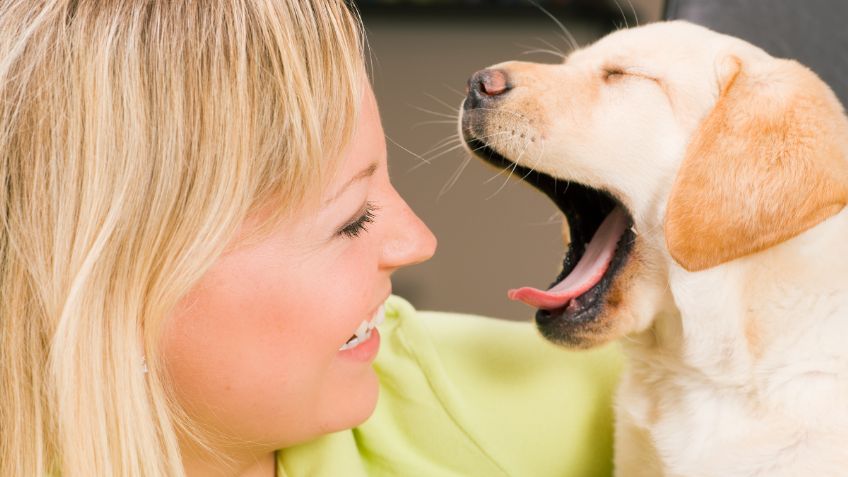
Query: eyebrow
pixel 364 173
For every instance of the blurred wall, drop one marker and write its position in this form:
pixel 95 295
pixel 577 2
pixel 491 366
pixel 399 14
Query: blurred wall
pixel 494 234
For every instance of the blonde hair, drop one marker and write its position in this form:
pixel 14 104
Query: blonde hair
pixel 135 137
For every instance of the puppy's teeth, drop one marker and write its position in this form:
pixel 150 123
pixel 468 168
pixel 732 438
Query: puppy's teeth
pixel 381 316
pixel 633 229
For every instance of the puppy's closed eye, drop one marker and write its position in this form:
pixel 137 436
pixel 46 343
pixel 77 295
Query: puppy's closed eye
pixel 615 73
pixel 612 73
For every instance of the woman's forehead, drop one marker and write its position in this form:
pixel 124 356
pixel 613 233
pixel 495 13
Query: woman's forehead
pixel 367 146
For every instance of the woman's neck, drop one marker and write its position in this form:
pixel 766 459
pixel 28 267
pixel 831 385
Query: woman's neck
pixel 237 464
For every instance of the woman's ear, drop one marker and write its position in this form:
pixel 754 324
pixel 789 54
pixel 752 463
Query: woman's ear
pixel 767 163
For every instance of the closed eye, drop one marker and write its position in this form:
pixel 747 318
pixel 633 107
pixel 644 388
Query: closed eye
pixel 355 228
pixel 613 73
pixel 610 73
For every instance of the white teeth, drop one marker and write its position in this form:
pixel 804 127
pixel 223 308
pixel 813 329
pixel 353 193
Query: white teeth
pixel 363 328
pixel 354 342
pixel 350 344
pixel 363 332
pixel 380 316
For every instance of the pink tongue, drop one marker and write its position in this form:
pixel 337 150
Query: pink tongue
pixel 588 272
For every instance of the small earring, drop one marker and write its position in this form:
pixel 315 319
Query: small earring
pixel 144 364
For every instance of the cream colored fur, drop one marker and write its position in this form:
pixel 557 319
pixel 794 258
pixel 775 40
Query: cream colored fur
pixel 738 361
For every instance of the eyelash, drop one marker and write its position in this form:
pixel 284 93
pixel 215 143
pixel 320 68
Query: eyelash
pixel 355 228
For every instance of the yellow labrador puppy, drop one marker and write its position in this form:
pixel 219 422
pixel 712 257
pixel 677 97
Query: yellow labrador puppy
pixel 704 183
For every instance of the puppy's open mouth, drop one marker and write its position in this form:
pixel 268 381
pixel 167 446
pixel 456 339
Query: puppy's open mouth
pixel 601 241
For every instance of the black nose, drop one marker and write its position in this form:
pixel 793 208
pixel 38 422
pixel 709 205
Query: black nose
pixel 486 86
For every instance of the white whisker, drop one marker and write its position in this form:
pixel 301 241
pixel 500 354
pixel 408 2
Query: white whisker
pixel 568 36
pixel 444 142
pixel 422 159
pixel 450 149
pixel 450 141
pixel 504 169
pixel 552 46
pixel 635 13
pixel 535 162
pixel 454 142
pixel 437 121
pixel 500 172
pixel 543 50
pixel 442 102
pixel 454 177
pixel 444 115
pixel 460 93
pixel 514 166
pixel 623 16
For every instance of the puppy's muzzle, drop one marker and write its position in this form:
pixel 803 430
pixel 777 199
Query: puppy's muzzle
pixel 486 87
pixel 577 309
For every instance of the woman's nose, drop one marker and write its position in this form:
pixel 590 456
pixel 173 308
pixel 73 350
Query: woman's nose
pixel 409 242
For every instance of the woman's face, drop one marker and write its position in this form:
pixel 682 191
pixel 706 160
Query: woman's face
pixel 253 349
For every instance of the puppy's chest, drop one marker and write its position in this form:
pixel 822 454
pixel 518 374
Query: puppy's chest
pixel 697 423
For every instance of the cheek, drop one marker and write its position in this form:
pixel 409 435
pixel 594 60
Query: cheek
pixel 252 353
pixel 622 138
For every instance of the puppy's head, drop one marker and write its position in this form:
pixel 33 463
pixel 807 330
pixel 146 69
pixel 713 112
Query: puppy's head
pixel 665 146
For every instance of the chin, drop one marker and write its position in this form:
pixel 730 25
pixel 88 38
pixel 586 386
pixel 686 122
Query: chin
pixel 352 404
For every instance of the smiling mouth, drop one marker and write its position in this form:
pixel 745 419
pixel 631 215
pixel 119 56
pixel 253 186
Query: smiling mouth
pixel 602 238
pixel 363 332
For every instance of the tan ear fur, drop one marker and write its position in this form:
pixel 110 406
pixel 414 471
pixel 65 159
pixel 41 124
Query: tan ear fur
pixel 769 162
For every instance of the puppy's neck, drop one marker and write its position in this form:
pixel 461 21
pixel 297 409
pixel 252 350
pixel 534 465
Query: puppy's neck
pixel 783 308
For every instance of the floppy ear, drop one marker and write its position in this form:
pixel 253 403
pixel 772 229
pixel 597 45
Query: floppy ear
pixel 767 163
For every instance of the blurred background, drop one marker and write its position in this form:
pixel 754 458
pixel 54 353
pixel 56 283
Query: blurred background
pixel 494 234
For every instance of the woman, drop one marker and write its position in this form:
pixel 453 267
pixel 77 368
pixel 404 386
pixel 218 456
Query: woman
pixel 198 233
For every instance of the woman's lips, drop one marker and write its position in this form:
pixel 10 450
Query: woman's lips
pixel 365 351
